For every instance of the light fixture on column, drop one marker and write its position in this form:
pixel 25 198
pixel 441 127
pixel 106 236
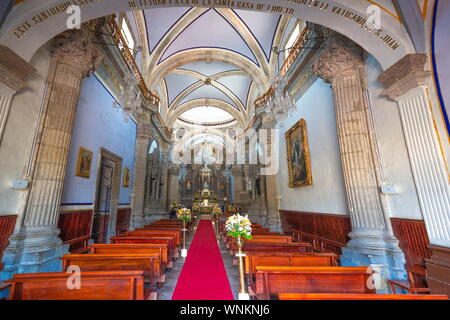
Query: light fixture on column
pixel 129 97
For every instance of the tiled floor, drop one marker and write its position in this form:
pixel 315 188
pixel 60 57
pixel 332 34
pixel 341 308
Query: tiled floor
pixel 165 293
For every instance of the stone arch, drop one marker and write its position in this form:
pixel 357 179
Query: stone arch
pixel 33 23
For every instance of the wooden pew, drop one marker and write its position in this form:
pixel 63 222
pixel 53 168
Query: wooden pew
pixel 177 234
pixel 170 241
pixel 355 296
pixel 100 285
pixel 138 248
pixel 261 238
pixel 149 263
pixel 277 247
pixel 275 280
pixel 257 259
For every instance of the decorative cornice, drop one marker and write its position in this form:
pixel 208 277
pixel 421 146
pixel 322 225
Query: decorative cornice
pixel 410 63
pixel 120 40
pixel 405 75
pixel 342 55
pixel 13 69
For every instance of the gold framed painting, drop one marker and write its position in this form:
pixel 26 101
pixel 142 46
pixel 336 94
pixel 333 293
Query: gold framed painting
pixel 299 165
pixel 126 177
pixel 84 163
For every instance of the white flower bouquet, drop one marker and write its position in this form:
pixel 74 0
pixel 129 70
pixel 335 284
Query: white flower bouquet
pixel 239 226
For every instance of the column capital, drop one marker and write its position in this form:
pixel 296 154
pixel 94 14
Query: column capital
pixel 74 48
pixel 407 74
pixel 342 55
pixel 13 69
pixel 144 130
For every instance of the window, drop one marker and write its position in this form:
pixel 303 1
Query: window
pixel 292 37
pixel 126 32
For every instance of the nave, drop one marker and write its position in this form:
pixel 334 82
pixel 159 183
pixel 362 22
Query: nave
pixel 144 265
pixel 320 125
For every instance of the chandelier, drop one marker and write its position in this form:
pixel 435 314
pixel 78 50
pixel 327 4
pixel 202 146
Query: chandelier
pixel 280 104
pixel 129 98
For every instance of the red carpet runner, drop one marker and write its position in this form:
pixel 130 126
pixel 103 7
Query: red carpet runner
pixel 203 276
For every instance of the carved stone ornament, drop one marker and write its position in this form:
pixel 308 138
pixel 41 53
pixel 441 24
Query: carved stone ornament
pixel 145 130
pixel 405 75
pixel 74 48
pixel 342 55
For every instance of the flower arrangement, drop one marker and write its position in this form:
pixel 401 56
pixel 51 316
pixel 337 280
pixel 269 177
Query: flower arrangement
pixel 216 211
pixel 239 226
pixel 184 214
pixel 195 209
pixel 175 205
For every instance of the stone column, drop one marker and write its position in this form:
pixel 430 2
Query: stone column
pixel 238 182
pixel 159 207
pixel 407 83
pixel 144 135
pixel 372 241
pixel 13 74
pixel 173 184
pixel 36 247
pixel 271 180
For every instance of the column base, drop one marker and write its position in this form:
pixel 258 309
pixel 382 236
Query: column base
pixel 274 223
pixel 33 250
pixel 137 222
pixel 438 268
pixel 378 250
pixel 155 217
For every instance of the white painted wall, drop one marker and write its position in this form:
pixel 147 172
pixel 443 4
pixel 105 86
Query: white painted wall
pixel 97 125
pixel 327 193
pixel 15 147
pixel 392 146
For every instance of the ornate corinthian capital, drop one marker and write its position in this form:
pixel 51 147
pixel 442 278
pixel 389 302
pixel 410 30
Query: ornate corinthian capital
pixel 342 55
pixel 144 130
pixel 74 48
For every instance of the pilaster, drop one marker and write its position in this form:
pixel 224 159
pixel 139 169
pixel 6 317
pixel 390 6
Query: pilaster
pixel 407 83
pixel 14 72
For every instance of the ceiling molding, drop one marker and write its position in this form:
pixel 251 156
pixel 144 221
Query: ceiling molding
pixel 208 54
pixel 175 113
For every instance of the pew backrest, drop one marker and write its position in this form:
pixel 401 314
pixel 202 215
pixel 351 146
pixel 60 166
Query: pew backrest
pixel 149 263
pixel 355 296
pixel 138 248
pixel 100 285
pixel 275 280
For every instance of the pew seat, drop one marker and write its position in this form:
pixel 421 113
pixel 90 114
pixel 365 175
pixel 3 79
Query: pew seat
pixel 273 280
pixel 149 263
pixel 99 285
pixel 355 296
pixel 177 234
pixel 170 241
pixel 138 248
pixel 277 247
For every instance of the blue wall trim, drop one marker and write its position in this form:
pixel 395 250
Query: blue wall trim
pixel 435 69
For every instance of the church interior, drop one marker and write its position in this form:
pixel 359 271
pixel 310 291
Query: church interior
pixel 224 150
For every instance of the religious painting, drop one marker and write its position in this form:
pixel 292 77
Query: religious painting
pixel 126 177
pixel 299 165
pixel 84 163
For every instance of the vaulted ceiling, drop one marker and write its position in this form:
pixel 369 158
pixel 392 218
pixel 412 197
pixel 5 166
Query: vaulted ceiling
pixel 209 57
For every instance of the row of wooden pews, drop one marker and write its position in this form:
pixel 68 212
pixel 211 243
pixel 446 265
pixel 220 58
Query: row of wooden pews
pixel 278 267
pixel 131 267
